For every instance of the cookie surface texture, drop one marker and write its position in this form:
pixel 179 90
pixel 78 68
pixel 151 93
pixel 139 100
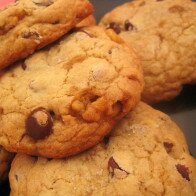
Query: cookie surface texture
pixel 146 154
pixel 89 21
pixel 163 32
pixel 27 25
pixel 5 162
pixel 65 99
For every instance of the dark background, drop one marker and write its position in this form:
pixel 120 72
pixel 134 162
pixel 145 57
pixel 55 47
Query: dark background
pixel 182 109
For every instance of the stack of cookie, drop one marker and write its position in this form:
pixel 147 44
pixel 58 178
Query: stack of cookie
pixel 71 113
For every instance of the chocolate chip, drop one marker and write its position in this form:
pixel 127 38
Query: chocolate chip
pixel 128 25
pixel 168 146
pixel 112 165
pixel 39 124
pixel 30 34
pixel 23 65
pixel 45 3
pixel 115 27
pixel 183 170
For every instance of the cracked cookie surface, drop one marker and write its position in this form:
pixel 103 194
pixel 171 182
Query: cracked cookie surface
pixel 146 154
pixel 64 99
pixel 27 25
pixel 5 162
pixel 163 32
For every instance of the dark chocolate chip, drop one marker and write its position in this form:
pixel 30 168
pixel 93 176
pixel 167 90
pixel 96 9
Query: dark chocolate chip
pixel 128 25
pixel 115 27
pixel 23 65
pixel 39 124
pixel 45 3
pixel 112 165
pixel 183 170
pixel 168 146
pixel 30 34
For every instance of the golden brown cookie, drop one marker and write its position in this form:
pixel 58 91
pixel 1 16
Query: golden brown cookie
pixel 146 154
pixel 66 98
pixel 28 25
pixel 163 32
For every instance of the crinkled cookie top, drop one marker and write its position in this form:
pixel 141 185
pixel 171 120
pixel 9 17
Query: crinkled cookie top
pixel 66 98
pixel 146 154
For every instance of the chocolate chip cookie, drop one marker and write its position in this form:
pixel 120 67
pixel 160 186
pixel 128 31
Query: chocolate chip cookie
pixel 28 25
pixel 163 32
pixel 146 154
pixel 5 162
pixel 66 98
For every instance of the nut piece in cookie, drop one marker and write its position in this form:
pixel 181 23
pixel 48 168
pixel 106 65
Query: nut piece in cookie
pixel 66 98
pixel 163 34
pixel 134 162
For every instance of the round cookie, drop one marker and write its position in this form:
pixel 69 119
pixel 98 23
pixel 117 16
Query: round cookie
pixel 5 162
pixel 163 32
pixel 146 154
pixel 66 98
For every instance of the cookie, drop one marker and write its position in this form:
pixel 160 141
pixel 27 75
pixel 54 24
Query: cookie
pixel 89 21
pixel 163 32
pixel 5 162
pixel 27 25
pixel 146 154
pixel 64 99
